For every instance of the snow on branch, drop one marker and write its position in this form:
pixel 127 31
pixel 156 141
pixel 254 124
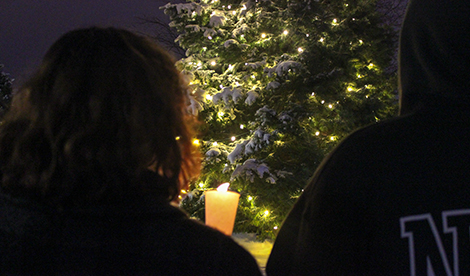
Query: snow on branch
pixel 252 168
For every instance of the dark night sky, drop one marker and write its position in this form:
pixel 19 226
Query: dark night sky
pixel 29 27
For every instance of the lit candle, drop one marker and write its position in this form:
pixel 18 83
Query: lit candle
pixel 221 208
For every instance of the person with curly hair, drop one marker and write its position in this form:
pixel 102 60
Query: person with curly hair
pixel 95 148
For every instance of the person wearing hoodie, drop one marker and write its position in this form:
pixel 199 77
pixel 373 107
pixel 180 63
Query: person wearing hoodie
pixel 393 198
pixel 94 150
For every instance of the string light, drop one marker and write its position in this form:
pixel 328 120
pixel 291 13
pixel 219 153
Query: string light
pixel 330 106
pixel 220 114
pixel 266 213
pixel 209 37
pixel 214 144
pixel 233 138
pixel 350 89
pixel 322 39
pixel 177 138
pixel 196 142
pixel 208 97
pixel 300 50
pixel 275 227
pixel 201 184
pixel 317 133
pixel 285 32
pixel 263 35
pixel 213 63
pixel 250 198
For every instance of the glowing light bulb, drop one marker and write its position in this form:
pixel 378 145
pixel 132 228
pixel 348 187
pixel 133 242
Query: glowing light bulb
pixel 215 143
pixel 332 138
pixel 300 50
pixel 177 138
pixel 285 32
pixel 250 198
pixel 233 138
pixel 201 184
pixel 234 12
pixel 275 227
pixel 330 106
pixel 196 142
pixel 263 35
pixel 213 63
pixel 266 212
pixel 229 7
pixel 322 39
pixel 242 126
pixel 350 88
pixel 317 133
pixel 322 102
pixel 208 97
pixel 221 114
pixel 209 37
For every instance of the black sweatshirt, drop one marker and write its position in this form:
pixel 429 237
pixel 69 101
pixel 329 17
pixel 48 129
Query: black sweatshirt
pixel 394 198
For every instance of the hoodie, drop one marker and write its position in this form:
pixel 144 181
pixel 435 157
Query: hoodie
pixel 393 198
pixel 434 54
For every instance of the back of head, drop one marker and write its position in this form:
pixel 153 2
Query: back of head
pixel 434 56
pixel 104 105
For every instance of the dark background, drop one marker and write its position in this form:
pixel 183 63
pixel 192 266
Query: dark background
pixel 29 27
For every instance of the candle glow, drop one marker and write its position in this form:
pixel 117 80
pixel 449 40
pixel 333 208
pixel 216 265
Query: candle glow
pixel 221 208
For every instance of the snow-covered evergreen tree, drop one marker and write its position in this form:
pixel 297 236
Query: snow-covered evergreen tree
pixel 277 85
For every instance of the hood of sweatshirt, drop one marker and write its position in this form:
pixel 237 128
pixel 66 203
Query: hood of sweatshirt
pixel 434 54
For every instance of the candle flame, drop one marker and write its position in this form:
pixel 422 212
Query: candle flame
pixel 223 187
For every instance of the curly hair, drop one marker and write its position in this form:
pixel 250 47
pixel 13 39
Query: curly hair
pixel 104 106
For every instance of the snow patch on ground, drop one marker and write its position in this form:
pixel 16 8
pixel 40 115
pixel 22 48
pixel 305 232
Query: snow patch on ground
pixel 259 250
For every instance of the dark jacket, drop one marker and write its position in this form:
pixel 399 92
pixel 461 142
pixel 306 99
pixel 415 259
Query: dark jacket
pixel 394 198
pixel 138 236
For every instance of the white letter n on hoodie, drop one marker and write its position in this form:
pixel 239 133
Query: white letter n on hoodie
pixel 427 252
